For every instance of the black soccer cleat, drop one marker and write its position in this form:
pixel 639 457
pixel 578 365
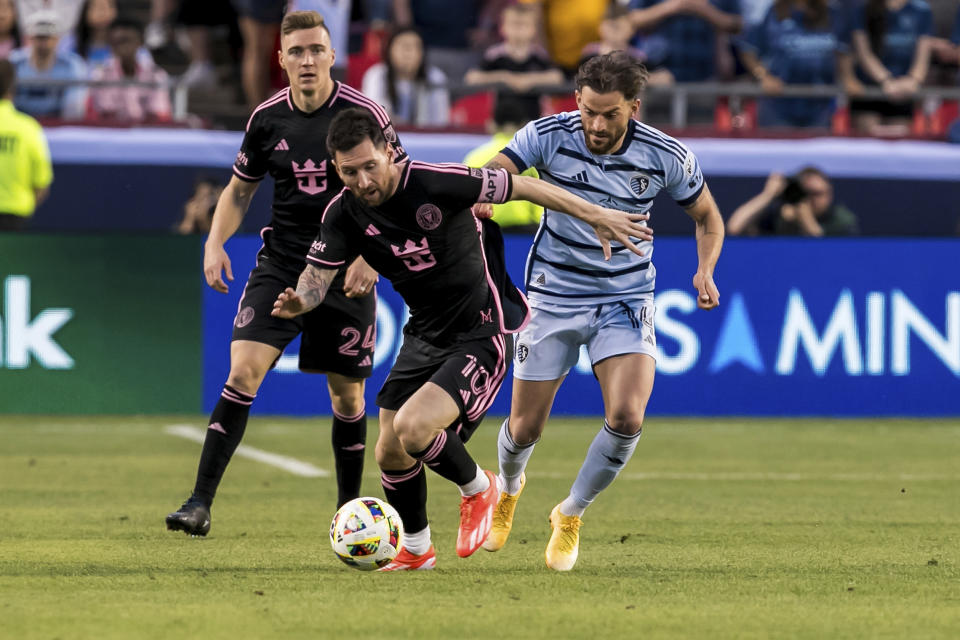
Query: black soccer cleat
pixel 193 518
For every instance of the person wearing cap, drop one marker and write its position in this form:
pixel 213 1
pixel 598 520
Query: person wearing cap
pixel 25 170
pixel 40 60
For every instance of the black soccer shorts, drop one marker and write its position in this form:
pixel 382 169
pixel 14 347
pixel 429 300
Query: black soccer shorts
pixel 338 336
pixel 470 372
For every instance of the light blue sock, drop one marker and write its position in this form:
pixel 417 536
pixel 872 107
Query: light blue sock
pixel 608 454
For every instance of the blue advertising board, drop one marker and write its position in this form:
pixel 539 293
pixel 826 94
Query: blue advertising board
pixel 806 327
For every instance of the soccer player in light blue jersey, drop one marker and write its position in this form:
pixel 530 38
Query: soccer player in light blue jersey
pixel 602 154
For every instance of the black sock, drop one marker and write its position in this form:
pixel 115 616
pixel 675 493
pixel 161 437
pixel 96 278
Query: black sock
pixel 348 436
pixel 227 424
pixel 447 456
pixel 406 490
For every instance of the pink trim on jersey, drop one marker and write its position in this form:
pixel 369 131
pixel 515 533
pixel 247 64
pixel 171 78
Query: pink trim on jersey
pixel 352 95
pixel 388 479
pixel 336 92
pixel 355 418
pixel 330 204
pixel 446 167
pixel 325 262
pixel 496 292
pixel 289 101
pixel 245 176
pixel 272 100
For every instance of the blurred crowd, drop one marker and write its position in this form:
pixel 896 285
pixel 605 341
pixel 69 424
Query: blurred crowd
pixel 438 63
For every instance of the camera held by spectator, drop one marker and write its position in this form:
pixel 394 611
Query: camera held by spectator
pixel 801 204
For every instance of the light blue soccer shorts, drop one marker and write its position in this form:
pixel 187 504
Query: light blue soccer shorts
pixel 550 344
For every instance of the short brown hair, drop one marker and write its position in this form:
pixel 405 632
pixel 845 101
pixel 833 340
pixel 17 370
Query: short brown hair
pixel 300 20
pixel 614 71
pixel 350 128
pixel 8 75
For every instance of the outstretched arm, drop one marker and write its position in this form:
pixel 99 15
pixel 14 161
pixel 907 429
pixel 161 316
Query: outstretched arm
pixel 608 224
pixel 311 290
pixel 709 242
pixel 231 207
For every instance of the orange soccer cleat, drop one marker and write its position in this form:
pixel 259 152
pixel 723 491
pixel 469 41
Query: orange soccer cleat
pixel 476 518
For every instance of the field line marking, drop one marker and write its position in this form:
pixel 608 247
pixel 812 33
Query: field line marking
pixel 291 465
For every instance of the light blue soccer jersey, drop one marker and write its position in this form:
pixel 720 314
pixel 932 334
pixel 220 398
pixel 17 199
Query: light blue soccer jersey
pixel 566 264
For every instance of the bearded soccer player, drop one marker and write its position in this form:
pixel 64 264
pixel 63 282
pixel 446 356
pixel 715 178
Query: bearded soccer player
pixel 601 153
pixel 286 138
pixel 412 222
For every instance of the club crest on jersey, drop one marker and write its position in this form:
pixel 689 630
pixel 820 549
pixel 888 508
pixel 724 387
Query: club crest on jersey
pixel 639 183
pixel 429 217
pixel 311 179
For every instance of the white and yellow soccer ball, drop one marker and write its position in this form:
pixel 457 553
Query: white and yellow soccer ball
pixel 366 533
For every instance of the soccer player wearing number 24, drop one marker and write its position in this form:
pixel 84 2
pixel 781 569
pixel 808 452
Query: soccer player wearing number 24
pixel 604 155
pixel 285 137
pixel 412 222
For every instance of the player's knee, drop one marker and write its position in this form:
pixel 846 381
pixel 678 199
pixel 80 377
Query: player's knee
pixel 245 377
pixel 626 421
pixel 411 431
pixel 390 455
pixel 347 402
pixel 524 430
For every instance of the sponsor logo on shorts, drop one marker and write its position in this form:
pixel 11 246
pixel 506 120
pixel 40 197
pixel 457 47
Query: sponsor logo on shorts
pixel 522 352
pixel 429 217
pixel 244 317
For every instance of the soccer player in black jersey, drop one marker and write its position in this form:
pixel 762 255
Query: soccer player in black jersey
pixel 286 138
pixel 412 222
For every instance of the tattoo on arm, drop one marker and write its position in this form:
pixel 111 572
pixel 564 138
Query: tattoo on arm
pixel 493 164
pixel 313 285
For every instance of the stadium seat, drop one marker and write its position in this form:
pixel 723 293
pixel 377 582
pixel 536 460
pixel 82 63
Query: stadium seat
pixel 472 110
pixel 358 63
pixel 550 105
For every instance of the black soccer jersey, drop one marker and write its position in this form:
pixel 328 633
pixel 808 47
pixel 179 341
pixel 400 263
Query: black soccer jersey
pixel 425 240
pixel 291 146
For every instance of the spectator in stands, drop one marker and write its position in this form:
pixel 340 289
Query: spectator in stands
pixel 9 32
pixel 509 116
pixel 413 92
pixel 518 62
pixel 947 51
pixel 131 104
pixel 25 169
pixel 198 210
pixel 697 34
pixel 198 18
pixel 66 12
pixel 892 43
pixel 799 205
pixel 449 29
pixel 616 33
pixel 799 42
pixel 40 61
pixel 93 42
pixel 568 26
pixel 259 22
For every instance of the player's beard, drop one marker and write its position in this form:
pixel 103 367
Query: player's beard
pixel 606 143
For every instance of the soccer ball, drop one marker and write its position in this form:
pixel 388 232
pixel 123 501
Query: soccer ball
pixel 366 533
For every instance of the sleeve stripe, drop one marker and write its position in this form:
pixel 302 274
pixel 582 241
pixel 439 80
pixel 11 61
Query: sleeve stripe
pixel 325 263
pixel 520 164
pixel 243 176
pixel 686 202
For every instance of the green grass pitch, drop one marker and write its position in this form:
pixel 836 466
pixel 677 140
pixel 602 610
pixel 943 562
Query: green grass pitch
pixel 716 529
